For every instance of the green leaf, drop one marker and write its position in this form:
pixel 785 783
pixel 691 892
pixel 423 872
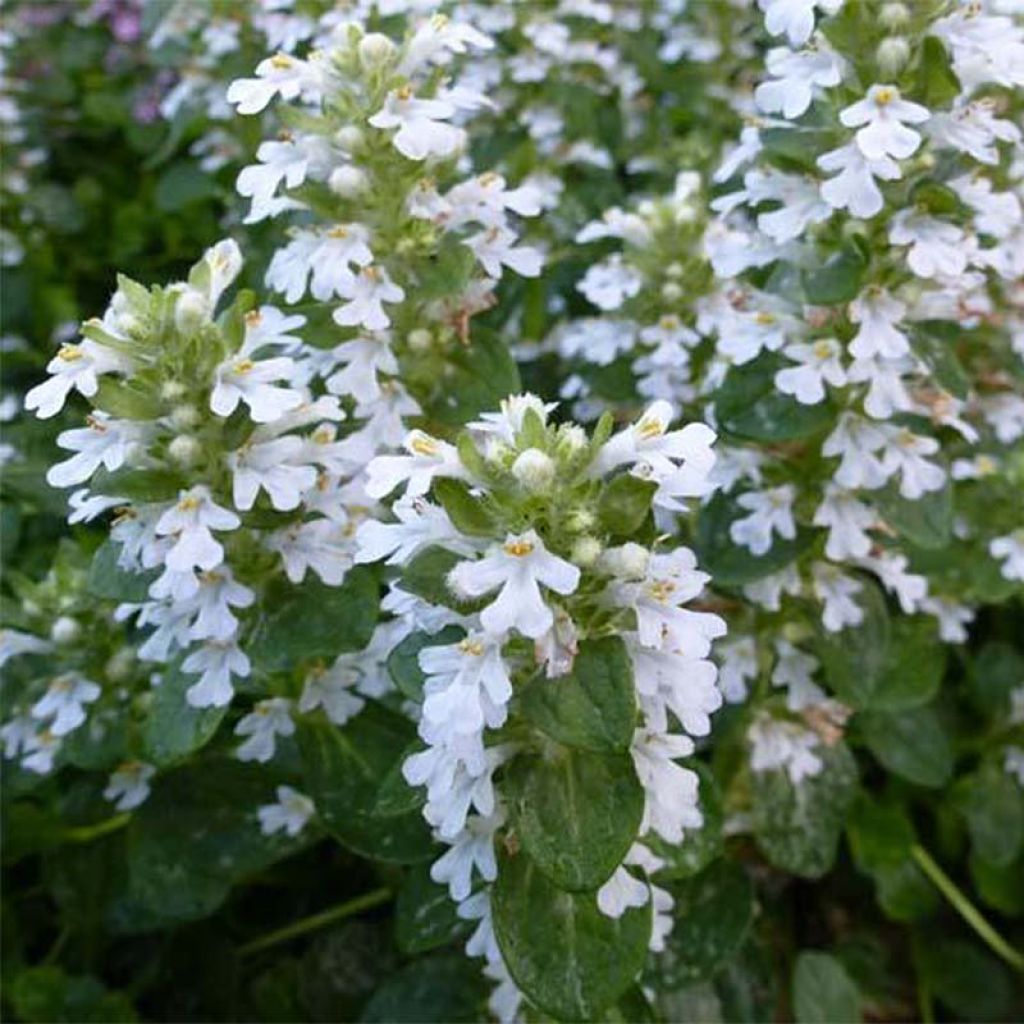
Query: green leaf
pixel 750 407
pixel 797 827
pixel 425 916
pixel 855 658
pixel 343 769
pixel 969 981
pixel 992 803
pixel 434 990
pixel 122 399
pixel 138 484
pixel 927 522
pixel 109 581
pixel 403 662
pixel 567 957
pixel 934 341
pixel 396 796
pixel 182 184
pixel 173 729
pixel 914 666
pixel 45 995
pixel 594 707
pixel 195 837
pixel 467 512
pixel 911 744
pixel 936 84
pixel 576 813
pixel 312 620
pixel 1000 887
pixel 730 564
pixel 476 377
pixel 426 576
pixel 823 992
pixel 713 912
pixel 839 279
pixel 624 504
pixel 449 270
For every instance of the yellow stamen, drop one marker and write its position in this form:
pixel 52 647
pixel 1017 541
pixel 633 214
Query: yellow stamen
pixel 423 445
pixel 885 96
pixel 281 61
pixel 518 548
pixel 471 647
pixel 70 353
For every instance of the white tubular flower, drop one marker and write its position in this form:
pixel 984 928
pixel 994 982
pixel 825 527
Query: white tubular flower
pixel 837 591
pixel 737 667
pixel 819 363
pixel 1009 550
pixel 215 664
pixel 794 18
pixel 610 283
pixel 267 720
pixel 518 567
pixel 363 360
pixel 622 891
pixel 242 379
pixel 771 512
pixel 279 161
pixel 104 442
pixel 905 454
pixel 794 670
pixel 128 786
pixel 322 545
pixel 436 38
pixel 953 617
pixel 422 128
pixel 73 368
pixel 495 247
pixel 671 792
pixel 369 290
pixel 673 682
pixel 62 706
pixel 218 592
pixel 268 326
pixel 13 643
pixel 290 814
pixel 787 746
pixel 885 117
pixel 420 525
pixel 271 466
pixel 796 78
pixel 853 188
pixel 473 848
pixel 856 440
pixel 877 313
pixel 333 690
pixel 189 522
pixel 428 458
pixel 847 520
pixel 937 248
pixel 342 247
pixel 278 75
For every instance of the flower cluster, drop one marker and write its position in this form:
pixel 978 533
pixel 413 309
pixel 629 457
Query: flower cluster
pixel 522 565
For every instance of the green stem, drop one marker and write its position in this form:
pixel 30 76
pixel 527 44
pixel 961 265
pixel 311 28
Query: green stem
pixel 87 833
pixel 967 910
pixel 308 924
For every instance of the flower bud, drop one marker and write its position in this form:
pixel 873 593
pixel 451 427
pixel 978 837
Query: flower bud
pixel 628 561
pixel 893 16
pixel 349 138
pixel 374 50
pixel 190 311
pixel 420 339
pixel 580 519
pixel 184 417
pixel 120 666
pixel 585 552
pixel 534 469
pixel 674 270
pixel 347 182
pixel 172 390
pixel 184 449
pixel 671 292
pixel 892 56
pixel 572 439
pixel 65 630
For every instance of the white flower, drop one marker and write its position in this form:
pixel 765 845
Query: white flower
pixel 853 188
pixel 666 681
pixel 190 522
pixel 794 670
pixel 74 367
pixel 420 525
pixel 670 581
pixel 518 567
pixel 777 744
pixel 14 642
pixel 796 78
pixel 671 802
pixel 836 591
pixel 1009 549
pixel 363 359
pixel 269 326
pixel 428 457
pixel 271 466
pixel 610 283
pixel 63 703
pixel 422 128
pixel 1013 763
pixel 291 813
pixel 819 362
pixel 794 18
pixel 974 129
pixel 847 520
pixel 771 512
pixel 737 667
pixel 856 440
pixel 953 617
pixel 621 892
pixel 909 588
pixel 250 381
pixel 104 442
pixel 937 248
pixel 215 663
pixel 279 74
pixel 885 116
pixel 472 848
pixel 332 690
pixel 341 248
pixel 128 786
pixel 267 720
pixel 495 247
pixel 905 453
pixel 217 593
pixel 40 750
pixel 369 290
pixel 280 160
pixel 437 37
pixel 322 545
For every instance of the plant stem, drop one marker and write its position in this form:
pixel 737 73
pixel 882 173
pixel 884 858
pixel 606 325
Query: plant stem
pixel 87 833
pixel 308 924
pixel 967 910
